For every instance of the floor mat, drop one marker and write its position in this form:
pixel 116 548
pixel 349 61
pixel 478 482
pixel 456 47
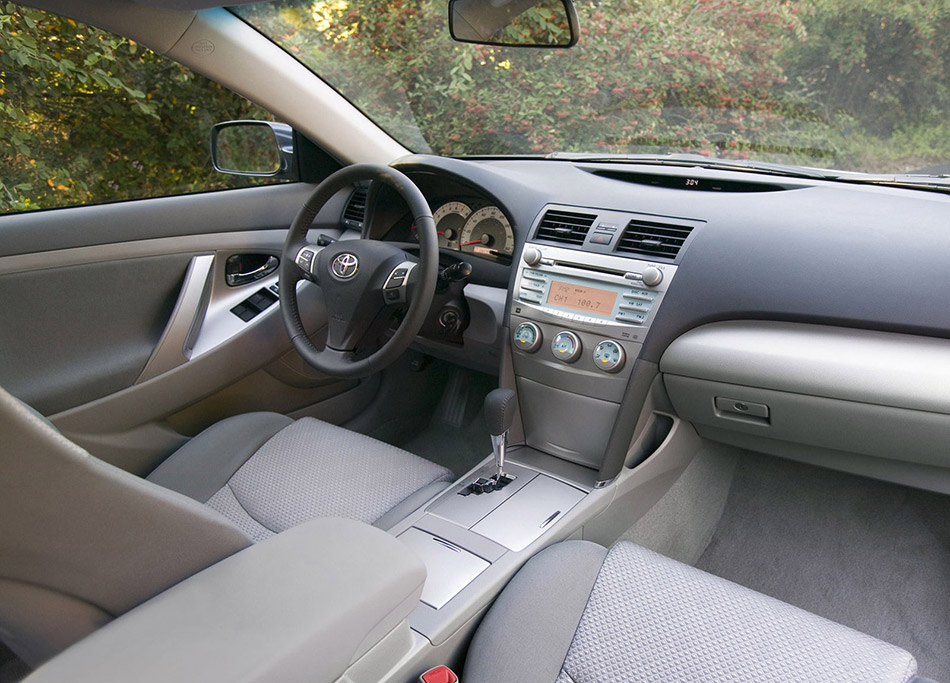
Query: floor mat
pixel 457 436
pixel 683 521
pixel 867 554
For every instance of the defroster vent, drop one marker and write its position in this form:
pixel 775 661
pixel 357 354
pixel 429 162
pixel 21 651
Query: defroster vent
pixel 658 240
pixel 355 211
pixel 564 226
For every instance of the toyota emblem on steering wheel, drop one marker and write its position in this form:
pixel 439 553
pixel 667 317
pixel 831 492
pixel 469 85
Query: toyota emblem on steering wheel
pixel 345 265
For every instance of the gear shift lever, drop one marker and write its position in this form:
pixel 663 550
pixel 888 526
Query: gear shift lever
pixel 499 414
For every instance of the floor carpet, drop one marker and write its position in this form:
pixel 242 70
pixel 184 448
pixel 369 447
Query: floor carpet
pixel 867 554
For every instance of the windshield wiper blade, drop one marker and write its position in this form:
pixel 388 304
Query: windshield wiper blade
pixel 917 181
pixel 700 161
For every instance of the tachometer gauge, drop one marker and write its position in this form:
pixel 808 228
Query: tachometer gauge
pixel 487 233
pixel 449 220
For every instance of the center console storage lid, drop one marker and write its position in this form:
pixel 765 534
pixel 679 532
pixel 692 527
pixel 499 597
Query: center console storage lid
pixel 300 606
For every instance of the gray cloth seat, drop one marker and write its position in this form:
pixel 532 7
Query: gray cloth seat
pixel 82 541
pixel 267 473
pixel 578 613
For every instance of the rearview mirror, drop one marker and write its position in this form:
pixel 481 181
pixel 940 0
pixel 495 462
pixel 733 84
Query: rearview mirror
pixel 514 23
pixel 253 148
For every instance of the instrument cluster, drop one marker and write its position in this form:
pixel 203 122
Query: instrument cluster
pixel 483 231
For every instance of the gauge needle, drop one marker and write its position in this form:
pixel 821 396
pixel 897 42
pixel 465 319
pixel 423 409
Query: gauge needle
pixel 465 244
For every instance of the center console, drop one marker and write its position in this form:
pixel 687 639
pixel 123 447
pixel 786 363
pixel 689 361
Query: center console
pixel 581 306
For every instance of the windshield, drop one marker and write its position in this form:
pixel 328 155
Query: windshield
pixel 861 85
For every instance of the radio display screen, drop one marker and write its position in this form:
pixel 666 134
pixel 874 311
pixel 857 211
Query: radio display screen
pixel 583 299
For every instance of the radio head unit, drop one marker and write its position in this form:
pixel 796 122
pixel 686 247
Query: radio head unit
pixel 610 295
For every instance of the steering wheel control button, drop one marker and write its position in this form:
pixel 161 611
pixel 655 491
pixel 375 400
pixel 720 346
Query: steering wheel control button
pixel 609 356
pixel 305 259
pixel 652 276
pixel 528 337
pixel 345 266
pixel 394 291
pixel 566 346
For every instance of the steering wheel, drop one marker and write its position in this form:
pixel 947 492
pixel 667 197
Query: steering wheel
pixel 364 281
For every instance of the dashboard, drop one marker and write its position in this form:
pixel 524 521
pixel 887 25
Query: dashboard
pixel 595 315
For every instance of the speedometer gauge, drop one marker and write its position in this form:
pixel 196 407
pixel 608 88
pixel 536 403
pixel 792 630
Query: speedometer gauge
pixel 449 220
pixel 488 233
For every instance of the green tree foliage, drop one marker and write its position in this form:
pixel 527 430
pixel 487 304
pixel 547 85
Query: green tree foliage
pixel 863 84
pixel 825 82
pixel 668 74
pixel 89 117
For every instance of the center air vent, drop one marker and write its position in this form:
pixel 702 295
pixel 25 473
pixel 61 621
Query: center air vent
pixel 564 226
pixel 355 211
pixel 659 240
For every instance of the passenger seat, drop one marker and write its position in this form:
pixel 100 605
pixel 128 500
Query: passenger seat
pixel 578 613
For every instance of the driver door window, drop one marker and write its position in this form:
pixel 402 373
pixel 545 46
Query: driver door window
pixel 90 117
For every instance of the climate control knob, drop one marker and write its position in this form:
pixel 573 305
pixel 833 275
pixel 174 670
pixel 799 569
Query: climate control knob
pixel 652 276
pixel 609 356
pixel 527 337
pixel 531 256
pixel 566 346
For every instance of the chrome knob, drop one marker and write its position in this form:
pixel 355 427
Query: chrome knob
pixel 531 256
pixel 652 276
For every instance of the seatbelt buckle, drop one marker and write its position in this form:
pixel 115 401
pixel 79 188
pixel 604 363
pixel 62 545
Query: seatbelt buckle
pixel 439 674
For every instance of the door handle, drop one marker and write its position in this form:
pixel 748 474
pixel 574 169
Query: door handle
pixel 241 269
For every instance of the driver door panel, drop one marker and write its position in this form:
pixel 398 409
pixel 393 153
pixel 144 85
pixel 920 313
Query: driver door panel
pixel 109 336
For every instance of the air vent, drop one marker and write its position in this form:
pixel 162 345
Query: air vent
pixel 355 210
pixel 564 226
pixel 659 240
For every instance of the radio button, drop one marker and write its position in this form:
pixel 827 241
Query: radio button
pixel 530 297
pixel 640 295
pixel 641 306
pixel 531 287
pixel 566 346
pixel 628 317
pixel 609 356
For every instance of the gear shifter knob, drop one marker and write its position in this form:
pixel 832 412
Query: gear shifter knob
pixel 499 410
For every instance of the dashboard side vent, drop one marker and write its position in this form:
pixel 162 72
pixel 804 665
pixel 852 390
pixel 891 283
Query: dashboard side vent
pixel 355 211
pixel 659 240
pixel 564 226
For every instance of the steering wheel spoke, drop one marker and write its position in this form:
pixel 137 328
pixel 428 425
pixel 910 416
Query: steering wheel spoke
pixel 362 281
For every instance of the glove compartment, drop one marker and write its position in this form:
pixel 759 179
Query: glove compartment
pixel 851 399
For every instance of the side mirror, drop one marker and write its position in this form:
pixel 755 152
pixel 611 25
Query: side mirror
pixel 254 148
pixel 514 23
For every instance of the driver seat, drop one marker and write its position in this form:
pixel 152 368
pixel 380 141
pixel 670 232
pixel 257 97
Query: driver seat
pixel 83 541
